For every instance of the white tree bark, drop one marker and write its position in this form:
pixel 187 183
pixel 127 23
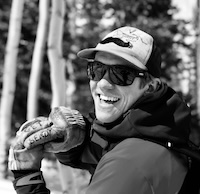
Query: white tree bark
pixel 37 60
pixel 198 60
pixel 9 79
pixel 58 82
pixel 57 62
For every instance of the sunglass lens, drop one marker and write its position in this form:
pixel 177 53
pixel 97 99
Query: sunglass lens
pixel 95 71
pixel 122 76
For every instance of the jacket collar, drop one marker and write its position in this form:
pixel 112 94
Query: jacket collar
pixel 163 115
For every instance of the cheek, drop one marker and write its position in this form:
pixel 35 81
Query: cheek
pixel 93 85
pixel 128 100
pixel 131 95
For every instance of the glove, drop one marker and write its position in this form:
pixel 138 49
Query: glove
pixel 25 159
pixel 69 125
pixel 65 130
pixel 22 158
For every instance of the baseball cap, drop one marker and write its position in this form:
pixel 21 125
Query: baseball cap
pixel 133 45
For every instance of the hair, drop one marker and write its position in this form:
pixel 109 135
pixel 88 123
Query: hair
pixel 147 79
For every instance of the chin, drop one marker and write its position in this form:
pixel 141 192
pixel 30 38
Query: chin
pixel 105 118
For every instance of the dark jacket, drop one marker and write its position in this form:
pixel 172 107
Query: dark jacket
pixel 145 151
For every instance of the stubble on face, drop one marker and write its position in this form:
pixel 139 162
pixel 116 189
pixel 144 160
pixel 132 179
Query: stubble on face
pixel 111 100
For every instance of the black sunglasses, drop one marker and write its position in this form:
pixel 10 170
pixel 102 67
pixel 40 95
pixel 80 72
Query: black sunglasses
pixel 119 74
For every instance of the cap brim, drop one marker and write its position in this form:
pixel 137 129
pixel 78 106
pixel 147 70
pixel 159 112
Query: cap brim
pixel 89 54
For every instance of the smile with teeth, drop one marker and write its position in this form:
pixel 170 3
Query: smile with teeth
pixel 108 99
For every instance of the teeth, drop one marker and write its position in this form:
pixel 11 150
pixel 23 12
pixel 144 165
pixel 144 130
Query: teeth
pixel 107 98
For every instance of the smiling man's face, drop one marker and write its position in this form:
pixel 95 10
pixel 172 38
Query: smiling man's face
pixel 112 100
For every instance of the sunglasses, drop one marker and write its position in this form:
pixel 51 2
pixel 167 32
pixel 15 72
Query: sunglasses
pixel 118 74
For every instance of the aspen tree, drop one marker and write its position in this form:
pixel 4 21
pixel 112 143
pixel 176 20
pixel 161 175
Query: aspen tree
pixel 57 62
pixel 9 80
pixel 58 82
pixel 37 60
pixel 198 59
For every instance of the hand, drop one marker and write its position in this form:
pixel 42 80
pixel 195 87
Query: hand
pixel 63 130
pixel 25 159
pixel 68 127
pixel 22 158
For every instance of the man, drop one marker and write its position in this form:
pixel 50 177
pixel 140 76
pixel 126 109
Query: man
pixel 137 140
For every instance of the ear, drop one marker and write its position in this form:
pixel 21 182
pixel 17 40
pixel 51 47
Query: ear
pixel 153 85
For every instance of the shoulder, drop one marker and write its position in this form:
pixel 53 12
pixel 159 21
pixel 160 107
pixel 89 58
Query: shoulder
pixel 143 154
pixel 144 162
pixel 135 149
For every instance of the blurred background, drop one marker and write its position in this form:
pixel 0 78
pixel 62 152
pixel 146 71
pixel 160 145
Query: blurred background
pixel 39 68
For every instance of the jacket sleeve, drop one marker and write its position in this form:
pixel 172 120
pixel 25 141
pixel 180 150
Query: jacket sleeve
pixel 139 167
pixel 74 157
pixel 114 176
pixel 29 181
pixel 85 156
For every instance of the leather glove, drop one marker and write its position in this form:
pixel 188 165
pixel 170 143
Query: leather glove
pixel 64 129
pixel 69 128
pixel 22 158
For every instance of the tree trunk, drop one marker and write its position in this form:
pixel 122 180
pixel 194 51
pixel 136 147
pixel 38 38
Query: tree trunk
pixel 35 76
pixel 198 60
pixel 58 82
pixel 9 79
pixel 57 62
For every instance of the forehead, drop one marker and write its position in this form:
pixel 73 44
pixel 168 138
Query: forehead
pixel 109 59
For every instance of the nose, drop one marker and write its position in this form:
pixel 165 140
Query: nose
pixel 105 82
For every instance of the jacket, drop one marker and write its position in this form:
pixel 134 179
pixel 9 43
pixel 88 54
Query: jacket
pixel 145 151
